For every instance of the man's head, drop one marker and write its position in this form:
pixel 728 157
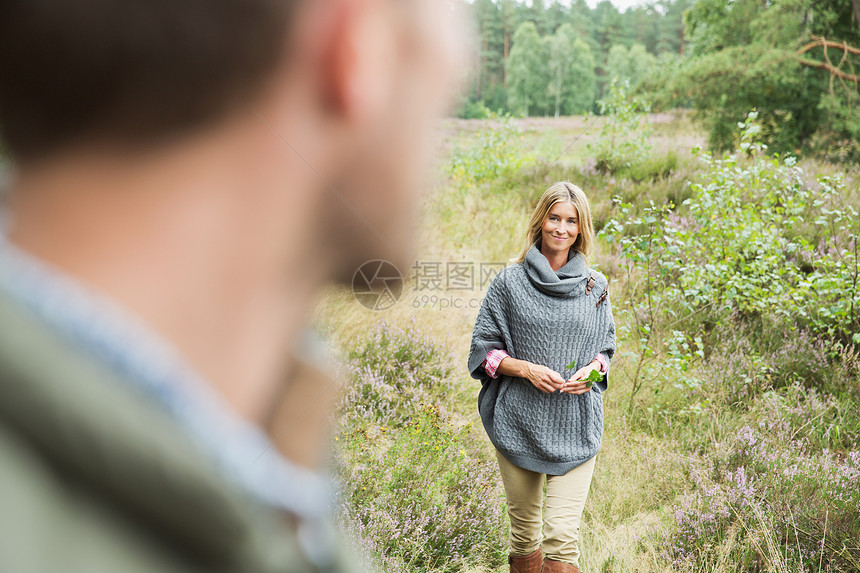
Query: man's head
pixel 350 86
pixel 130 73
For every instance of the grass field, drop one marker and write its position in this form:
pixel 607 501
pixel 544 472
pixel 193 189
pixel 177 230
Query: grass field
pixel 753 468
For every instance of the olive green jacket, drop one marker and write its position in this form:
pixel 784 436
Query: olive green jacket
pixel 96 477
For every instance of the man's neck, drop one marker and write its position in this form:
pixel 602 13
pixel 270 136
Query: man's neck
pixel 212 270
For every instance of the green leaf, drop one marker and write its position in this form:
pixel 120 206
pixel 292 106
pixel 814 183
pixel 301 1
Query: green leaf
pixel 593 376
pixel 571 366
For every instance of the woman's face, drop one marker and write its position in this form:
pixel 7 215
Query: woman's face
pixel 560 227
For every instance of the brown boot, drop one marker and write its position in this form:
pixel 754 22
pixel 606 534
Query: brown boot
pixel 530 563
pixel 553 566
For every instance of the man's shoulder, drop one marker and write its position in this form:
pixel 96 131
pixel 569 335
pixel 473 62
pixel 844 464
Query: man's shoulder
pixel 109 480
pixel 52 522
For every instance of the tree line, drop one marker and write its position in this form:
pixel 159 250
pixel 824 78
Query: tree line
pixel 548 58
pixel 795 61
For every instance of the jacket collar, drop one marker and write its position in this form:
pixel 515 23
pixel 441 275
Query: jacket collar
pixel 100 434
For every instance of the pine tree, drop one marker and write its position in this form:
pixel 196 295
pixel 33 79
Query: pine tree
pixel 526 70
pixel 490 68
pixel 571 72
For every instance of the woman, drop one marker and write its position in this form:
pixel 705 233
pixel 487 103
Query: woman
pixel 540 315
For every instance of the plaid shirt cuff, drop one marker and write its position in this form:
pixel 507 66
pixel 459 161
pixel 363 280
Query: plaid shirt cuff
pixel 492 361
pixel 604 364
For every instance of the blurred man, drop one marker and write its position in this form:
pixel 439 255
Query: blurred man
pixel 187 175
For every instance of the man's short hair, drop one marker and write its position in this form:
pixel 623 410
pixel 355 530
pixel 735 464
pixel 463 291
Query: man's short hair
pixel 131 72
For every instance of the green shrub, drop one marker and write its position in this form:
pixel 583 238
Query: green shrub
pixel 496 152
pixel 624 137
pixel 475 110
pixel 755 238
pixel 653 168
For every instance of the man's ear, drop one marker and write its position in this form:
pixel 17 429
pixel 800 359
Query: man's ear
pixel 360 62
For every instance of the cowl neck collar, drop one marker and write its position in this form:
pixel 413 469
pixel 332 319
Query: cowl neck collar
pixel 569 280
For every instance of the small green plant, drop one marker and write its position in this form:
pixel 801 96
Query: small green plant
pixel 497 152
pixel 593 376
pixel 475 110
pixel 624 140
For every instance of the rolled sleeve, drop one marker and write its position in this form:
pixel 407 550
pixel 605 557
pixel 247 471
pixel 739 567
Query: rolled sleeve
pixel 604 363
pixel 492 361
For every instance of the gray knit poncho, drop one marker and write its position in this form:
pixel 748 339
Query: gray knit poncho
pixel 545 317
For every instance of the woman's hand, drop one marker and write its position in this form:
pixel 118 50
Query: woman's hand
pixel 577 384
pixel 543 378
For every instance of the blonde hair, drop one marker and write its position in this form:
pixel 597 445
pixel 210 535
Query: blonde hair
pixel 567 192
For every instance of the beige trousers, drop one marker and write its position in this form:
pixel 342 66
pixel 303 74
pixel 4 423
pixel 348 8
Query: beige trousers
pixel 565 500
